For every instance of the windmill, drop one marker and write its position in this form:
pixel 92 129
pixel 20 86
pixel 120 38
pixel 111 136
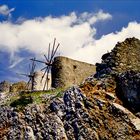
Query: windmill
pixel 30 75
pixel 48 62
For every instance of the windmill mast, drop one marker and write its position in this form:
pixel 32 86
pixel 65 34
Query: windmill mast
pixel 30 75
pixel 48 62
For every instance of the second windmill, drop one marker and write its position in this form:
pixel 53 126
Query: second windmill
pixel 49 58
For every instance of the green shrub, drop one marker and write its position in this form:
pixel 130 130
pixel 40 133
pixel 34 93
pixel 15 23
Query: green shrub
pixel 22 101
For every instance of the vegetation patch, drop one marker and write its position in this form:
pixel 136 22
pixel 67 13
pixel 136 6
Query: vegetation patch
pixel 22 101
pixel 28 97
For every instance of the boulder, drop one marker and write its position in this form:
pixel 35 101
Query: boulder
pixel 128 89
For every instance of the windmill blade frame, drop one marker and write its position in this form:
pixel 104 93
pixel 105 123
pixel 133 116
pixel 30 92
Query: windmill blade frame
pixel 49 51
pixel 47 80
pixel 44 73
pixel 46 58
pixel 30 75
pixel 53 48
pixel 48 61
pixel 43 68
pixel 52 55
pixel 28 84
pixel 22 74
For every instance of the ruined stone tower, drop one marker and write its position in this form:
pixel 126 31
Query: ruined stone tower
pixel 67 72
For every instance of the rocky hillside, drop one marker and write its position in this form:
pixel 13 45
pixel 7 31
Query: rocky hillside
pixel 124 57
pixel 105 106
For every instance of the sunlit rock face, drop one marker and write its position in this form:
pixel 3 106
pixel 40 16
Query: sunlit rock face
pixel 41 84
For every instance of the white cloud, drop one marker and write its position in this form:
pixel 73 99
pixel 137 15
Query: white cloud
pixel 93 51
pixel 74 32
pixel 5 11
pixel 14 61
pixel 92 18
pixel 34 35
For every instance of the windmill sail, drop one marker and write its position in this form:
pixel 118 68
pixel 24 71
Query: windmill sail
pixel 30 75
pixel 49 58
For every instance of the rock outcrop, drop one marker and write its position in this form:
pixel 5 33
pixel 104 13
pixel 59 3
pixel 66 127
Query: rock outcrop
pixel 123 63
pixel 105 106
pixel 128 89
pixel 125 56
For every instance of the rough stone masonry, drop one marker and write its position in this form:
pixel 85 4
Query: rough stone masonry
pixel 67 72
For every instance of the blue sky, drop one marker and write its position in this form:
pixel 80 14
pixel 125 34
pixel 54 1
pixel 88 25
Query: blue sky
pixel 123 11
pixel 79 25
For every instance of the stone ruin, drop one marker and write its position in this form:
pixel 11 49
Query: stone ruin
pixel 6 86
pixel 67 72
pixel 19 86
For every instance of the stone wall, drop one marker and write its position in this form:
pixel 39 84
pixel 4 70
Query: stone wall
pixel 67 72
